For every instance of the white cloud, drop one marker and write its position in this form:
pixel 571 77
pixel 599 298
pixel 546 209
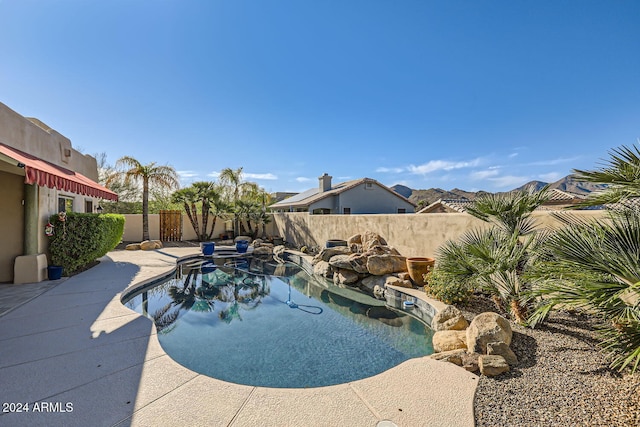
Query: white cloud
pixel 436 165
pixel 214 174
pixel 512 155
pixel 550 177
pixel 303 179
pixel 387 170
pixel 510 180
pixel 478 175
pixel 552 162
pixel 268 176
pixel 187 174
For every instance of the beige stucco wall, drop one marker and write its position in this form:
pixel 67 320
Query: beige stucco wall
pixel 24 134
pixel 411 234
pixel 11 223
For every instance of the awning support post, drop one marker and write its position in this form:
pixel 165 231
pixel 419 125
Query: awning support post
pixel 31 227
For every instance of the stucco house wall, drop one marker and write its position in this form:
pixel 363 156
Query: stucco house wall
pixel 35 138
pixel 368 198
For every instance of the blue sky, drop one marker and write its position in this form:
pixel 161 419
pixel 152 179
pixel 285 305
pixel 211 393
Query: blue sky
pixel 478 95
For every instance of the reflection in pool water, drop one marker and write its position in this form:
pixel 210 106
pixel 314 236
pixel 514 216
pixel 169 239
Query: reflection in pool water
pixel 257 322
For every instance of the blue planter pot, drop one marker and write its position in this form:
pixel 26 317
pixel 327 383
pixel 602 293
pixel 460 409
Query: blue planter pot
pixel 208 248
pixel 54 272
pixel 242 246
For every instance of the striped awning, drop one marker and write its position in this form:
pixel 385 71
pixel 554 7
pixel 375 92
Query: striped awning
pixel 45 174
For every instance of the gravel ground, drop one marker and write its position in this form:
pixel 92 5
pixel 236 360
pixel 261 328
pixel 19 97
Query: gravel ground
pixel 562 379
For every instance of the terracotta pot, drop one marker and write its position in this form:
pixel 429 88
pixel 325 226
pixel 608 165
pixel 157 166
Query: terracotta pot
pixel 417 267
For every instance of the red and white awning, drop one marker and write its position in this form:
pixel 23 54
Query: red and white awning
pixel 45 174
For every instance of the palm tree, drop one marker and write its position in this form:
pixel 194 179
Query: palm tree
pixel 595 265
pixel 495 259
pixel 162 176
pixel 244 197
pixel 621 174
pixel 207 195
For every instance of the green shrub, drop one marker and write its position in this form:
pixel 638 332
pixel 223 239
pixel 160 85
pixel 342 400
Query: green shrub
pixel 82 238
pixel 446 287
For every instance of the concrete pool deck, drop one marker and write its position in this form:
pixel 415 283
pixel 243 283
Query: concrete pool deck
pixel 78 357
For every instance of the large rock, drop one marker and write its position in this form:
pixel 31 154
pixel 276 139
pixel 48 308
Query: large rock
pixel 449 340
pixel 358 263
pixel 450 318
pixel 502 349
pixel 385 264
pixel 149 245
pixel 279 250
pixel 262 250
pixel 345 277
pixel 341 261
pixel 492 365
pixel 133 247
pixel 396 281
pixel 451 356
pixel 370 282
pixel 327 253
pixel 378 292
pixel 470 362
pixel 247 238
pixel 370 240
pixel 323 268
pixel 485 328
pixel 355 239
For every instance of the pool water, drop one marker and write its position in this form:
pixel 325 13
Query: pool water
pixel 256 322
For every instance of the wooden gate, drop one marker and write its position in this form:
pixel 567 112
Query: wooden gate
pixel 170 226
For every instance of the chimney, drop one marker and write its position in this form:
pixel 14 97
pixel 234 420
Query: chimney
pixel 324 183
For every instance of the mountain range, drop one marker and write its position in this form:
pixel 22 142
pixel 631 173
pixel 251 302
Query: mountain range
pixel 569 184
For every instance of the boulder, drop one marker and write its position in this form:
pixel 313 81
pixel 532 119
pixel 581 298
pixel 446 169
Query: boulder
pixel 451 356
pixel 323 268
pixel 502 349
pixel 279 250
pixel 327 253
pixel 470 362
pixel 449 340
pixel 492 365
pixel 247 238
pixel 263 250
pixel 485 328
pixel 341 261
pixel 404 275
pixel 148 245
pixel 396 281
pixel 257 242
pixel 385 264
pixel 355 239
pixel 371 282
pixel 358 263
pixel 342 276
pixel 370 239
pixel 158 243
pixel 378 292
pixel 450 318
pixel 133 247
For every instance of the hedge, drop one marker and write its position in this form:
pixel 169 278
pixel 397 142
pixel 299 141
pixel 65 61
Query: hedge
pixel 82 238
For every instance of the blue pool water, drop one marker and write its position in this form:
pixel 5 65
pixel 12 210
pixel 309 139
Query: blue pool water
pixel 256 322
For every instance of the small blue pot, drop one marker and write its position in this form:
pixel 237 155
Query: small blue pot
pixel 242 246
pixel 54 272
pixel 208 248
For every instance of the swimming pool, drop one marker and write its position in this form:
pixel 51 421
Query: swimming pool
pixel 258 322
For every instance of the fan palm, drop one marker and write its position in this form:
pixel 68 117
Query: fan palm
pixel 150 175
pixel 495 259
pixel 596 267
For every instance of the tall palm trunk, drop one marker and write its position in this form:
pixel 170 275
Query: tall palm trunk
pixel 145 209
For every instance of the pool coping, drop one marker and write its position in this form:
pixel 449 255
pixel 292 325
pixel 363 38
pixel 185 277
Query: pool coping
pixel 147 387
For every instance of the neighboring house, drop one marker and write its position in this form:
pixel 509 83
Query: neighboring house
pixel 557 200
pixel 40 175
pixel 360 196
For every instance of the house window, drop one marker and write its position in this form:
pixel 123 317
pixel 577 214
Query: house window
pixel 88 206
pixel 65 204
pixel 321 211
pixel 402 210
pixel 346 211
